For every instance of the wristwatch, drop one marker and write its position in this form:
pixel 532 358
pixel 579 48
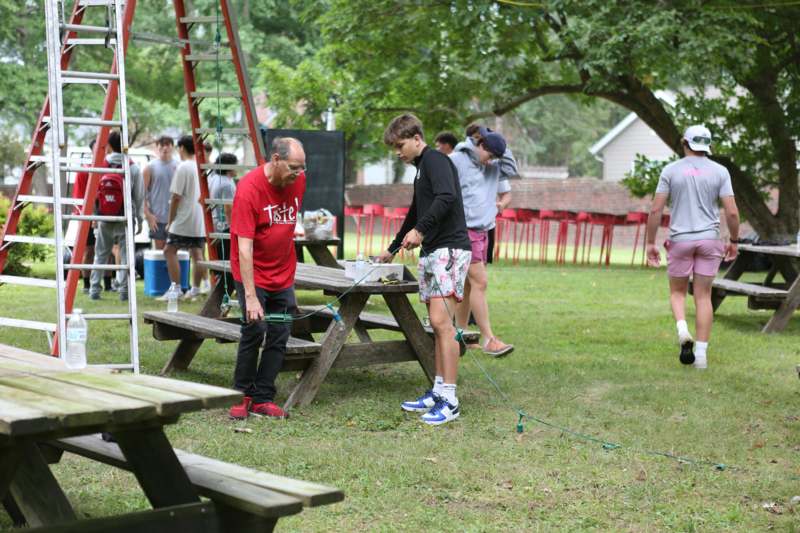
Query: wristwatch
pixel 735 241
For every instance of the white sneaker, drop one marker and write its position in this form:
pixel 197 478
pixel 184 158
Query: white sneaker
pixel 173 289
pixel 191 294
pixel 700 363
pixel 205 287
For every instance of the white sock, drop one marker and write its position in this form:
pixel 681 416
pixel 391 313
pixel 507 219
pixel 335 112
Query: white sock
pixel 700 350
pixel 683 329
pixel 438 383
pixel 449 393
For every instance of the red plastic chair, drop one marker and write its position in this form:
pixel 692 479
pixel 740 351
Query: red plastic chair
pixel 357 212
pixel 581 220
pixel 564 218
pixel 392 222
pixel 606 223
pixel 527 219
pixel 506 223
pixel 546 216
pixel 372 212
pixel 638 219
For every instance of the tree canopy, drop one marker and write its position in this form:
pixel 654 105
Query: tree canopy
pixel 734 65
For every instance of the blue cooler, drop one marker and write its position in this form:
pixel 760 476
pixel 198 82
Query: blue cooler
pixel 156 277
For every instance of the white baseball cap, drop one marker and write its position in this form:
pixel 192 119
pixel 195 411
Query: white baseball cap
pixel 699 138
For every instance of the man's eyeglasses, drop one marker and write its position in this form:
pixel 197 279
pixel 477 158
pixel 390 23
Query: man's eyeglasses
pixel 701 140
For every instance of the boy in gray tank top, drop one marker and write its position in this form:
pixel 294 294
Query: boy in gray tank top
pixel 695 185
pixel 157 180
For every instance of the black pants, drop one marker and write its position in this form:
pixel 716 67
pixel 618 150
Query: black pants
pixel 255 379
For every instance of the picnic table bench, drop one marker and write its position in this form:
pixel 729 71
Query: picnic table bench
pixel 46 409
pixel 783 297
pixel 315 357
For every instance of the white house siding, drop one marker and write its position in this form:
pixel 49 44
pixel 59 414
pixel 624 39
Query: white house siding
pixel 619 155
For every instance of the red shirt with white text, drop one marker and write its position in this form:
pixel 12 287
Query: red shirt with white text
pixel 268 215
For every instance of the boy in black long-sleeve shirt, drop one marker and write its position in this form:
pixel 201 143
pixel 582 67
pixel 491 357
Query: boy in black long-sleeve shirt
pixel 435 221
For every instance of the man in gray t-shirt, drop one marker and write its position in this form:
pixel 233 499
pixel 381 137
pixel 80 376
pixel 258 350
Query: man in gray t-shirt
pixel 157 180
pixel 694 185
pixel 222 187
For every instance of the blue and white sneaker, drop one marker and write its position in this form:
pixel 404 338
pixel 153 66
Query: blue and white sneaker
pixel 423 404
pixel 441 413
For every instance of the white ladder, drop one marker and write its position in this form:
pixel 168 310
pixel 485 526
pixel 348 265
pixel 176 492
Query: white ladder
pixel 58 79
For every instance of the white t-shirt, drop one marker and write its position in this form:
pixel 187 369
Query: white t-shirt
pixel 694 184
pixel 188 220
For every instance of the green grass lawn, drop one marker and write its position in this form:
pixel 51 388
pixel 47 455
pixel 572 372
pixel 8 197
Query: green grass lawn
pixel 595 353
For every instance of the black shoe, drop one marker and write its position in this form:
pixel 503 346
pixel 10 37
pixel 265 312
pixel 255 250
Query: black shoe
pixel 687 353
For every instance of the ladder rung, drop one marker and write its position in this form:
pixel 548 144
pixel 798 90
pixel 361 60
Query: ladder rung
pixel 46 158
pixel 200 20
pixel 27 324
pixel 95 218
pixel 213 166
pixel 90 3
pixel 103 316
pixel 225 131
pixel 219 201
pixel 195 58
pixel 30 282
pixel 92 170
pixel 213 94
pixel 77 41
pixel 86 29
pixel 87 75
pixel 88 121
pixel 30 239
pixel 85 266
pixel 27 198
pixel 219 236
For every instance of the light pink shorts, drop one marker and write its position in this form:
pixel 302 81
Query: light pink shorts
pixel 699 257
pixel 480 245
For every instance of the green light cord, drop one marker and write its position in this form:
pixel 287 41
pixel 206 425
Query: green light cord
pixel 522 415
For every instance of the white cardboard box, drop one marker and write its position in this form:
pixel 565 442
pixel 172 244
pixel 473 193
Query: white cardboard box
pixel 373 271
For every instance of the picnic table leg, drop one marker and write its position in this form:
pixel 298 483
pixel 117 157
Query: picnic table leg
pixel 9 458
pixel 183 355
pixel 313 376
pixel 322 255
pixel 155 465
pixel 14 511
pixel 36 491
pixel 735 271
pixel 787 308
pixel 415 334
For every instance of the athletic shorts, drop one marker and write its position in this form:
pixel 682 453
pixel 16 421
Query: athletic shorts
pixel 183 242
pixel 479 239
pixel 159 233
pixel 442 273
pixel 702 257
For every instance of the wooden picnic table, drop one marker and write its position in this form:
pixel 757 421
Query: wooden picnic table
pixel 418 344
pixel 783 297
pixel 46 408
pixel 318 248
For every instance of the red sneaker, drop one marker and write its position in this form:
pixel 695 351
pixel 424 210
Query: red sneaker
pixel 269 409
pixel 240 411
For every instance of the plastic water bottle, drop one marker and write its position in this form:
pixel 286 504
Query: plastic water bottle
pixel 361 267
pixel 798 241
pixel 75 358
pixel 172 301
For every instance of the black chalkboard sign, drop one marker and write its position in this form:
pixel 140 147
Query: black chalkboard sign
pixel 324 170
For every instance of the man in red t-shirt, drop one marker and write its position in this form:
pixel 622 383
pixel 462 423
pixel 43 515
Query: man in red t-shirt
pixel 263 264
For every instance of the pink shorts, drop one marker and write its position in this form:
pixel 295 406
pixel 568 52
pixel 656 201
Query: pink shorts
pixel 694 257
pixel 480 245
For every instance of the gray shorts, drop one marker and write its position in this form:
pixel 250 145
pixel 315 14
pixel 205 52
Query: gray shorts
pixel 184 242
pixel 160 232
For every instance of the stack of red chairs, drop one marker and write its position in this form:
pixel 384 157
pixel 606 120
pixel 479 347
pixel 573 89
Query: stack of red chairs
pixel 357 212
pixel 372 212
pixel 638 219
pixel 581 221
pixel 505 232
pixel 546 216
pixel 527 220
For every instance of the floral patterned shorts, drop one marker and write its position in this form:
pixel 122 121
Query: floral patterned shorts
pixel 442 273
